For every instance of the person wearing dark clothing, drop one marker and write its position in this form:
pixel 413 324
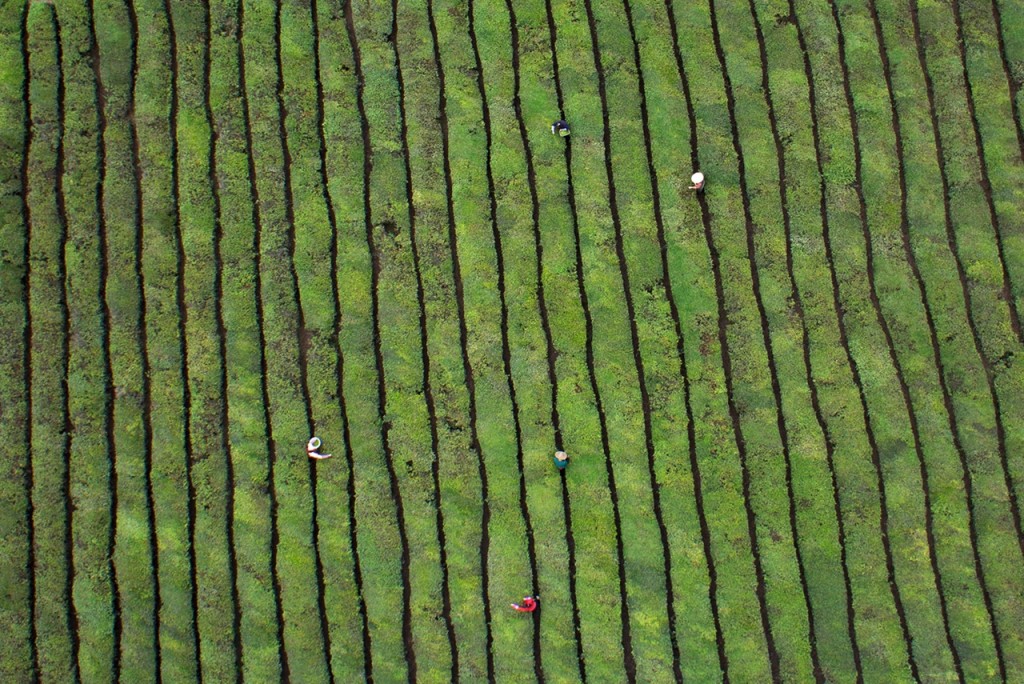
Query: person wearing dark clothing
pixel 561 128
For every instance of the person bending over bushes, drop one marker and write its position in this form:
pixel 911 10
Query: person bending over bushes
pixel 528 606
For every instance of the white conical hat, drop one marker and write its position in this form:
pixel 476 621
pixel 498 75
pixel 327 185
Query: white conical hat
pixel 314 443
pixel 697 177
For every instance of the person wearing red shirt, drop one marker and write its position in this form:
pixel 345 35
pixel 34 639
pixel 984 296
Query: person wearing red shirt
pixel 528 606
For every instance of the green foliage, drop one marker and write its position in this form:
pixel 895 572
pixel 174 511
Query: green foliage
pixel 18 651
pixel 320 218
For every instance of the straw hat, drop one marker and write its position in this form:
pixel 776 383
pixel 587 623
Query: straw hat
pixel 561 456
pixel 697 177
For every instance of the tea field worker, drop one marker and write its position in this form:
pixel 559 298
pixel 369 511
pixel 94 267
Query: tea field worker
pixel 528 606
pixel 561 128
pixel 698 181
pixel 312 449
pixel 561 460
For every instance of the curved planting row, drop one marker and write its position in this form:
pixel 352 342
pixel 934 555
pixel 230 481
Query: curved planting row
pixel 886 479
pixel 519 218
pixel 550 554
pixel 261 621
pixel 216 613
pixel 349 585
pixel 90 475
pixel 296 558
pixel 127 391
pixel 790 401
pixel 54 617
pixel 469 246
pixel 218 293
pixel 155 266
pixel 428 378
pixel 984 300
pixel 819 536
pixel 19 657
pixel 996 525
pixel 377 479
pixel 937 455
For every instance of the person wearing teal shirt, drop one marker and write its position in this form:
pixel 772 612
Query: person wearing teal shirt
pixel 561 460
